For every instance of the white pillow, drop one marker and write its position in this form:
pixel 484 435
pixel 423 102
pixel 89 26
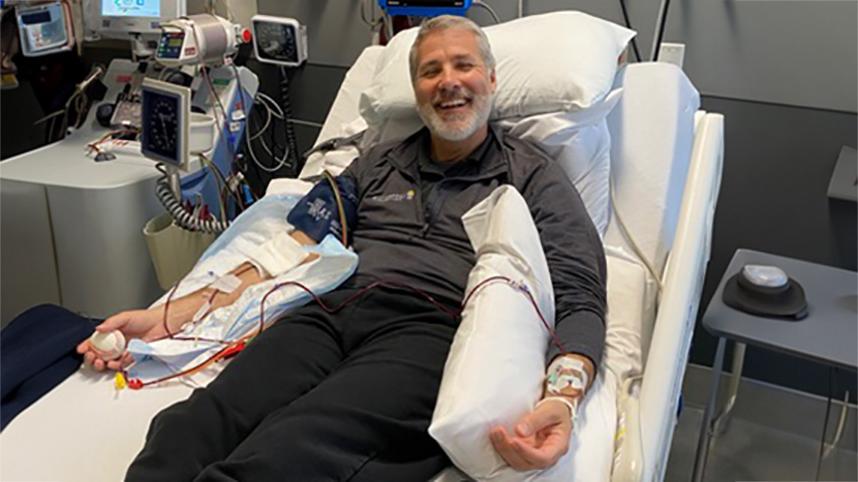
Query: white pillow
pixel 496 364
pixel 494 371
pixel 578 140
pixel 550 62
pixel 580 143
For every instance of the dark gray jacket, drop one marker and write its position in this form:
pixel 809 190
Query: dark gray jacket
pixel 409 227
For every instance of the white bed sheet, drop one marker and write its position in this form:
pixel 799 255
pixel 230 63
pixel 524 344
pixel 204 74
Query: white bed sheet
pixel 652 132
pixel 83 430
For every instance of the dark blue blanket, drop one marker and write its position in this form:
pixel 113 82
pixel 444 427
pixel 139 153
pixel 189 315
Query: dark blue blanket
pixel 37 352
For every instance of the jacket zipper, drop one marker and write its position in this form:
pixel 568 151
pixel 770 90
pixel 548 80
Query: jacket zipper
pixel 436 207
pixel 418 195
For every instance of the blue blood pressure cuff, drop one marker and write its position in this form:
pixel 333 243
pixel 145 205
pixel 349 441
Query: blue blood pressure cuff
pixel 317 215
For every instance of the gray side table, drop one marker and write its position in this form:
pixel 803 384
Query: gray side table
pixel 829 334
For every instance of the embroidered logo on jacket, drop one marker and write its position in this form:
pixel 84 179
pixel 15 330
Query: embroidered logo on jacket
pixel 393 197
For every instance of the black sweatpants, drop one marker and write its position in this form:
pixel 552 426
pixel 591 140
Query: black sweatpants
pixel 316 397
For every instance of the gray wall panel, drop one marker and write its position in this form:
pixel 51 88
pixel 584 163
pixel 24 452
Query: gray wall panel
pixel 801 53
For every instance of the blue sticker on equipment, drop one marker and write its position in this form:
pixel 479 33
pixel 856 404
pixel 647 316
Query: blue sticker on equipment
pixel 425 8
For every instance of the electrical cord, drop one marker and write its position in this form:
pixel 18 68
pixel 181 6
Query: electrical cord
pixel 660 26
pixel 627 235
pixel 272 111
pixel 821 455
pixel 488 8
pixel 371 21
pixel 248 139
pixel 628 23
pixel 219 180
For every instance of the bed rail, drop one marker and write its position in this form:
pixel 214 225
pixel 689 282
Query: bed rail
pixel 642 456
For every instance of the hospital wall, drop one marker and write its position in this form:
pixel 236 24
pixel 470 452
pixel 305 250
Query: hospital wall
pixel 788 106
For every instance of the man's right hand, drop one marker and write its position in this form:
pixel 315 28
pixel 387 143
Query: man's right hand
pixel 144 324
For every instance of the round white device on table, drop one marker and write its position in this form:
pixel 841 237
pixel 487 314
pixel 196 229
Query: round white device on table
pixel 765 276
pixel 110 345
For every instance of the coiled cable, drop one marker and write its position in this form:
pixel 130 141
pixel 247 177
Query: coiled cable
pixel 181 216
pixel 286 105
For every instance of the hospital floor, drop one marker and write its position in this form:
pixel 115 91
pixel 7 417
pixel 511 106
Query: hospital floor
pixel 753 451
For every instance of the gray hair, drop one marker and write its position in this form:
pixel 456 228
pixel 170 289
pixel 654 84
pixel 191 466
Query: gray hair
pixel 445 22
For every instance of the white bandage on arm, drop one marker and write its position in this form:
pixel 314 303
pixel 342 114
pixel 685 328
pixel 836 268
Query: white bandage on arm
pixel 566 380
pixel 571 404
pixel 277 255
pixel 566 373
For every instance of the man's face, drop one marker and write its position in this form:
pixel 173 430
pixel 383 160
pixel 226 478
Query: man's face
pixel 453 87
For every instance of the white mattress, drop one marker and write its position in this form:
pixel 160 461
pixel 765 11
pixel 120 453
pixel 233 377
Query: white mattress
pixel 84 431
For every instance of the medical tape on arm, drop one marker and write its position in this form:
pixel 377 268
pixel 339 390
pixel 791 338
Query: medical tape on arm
pixel 572 405
pixel 227 283
pixel 566 373
pixel 277 255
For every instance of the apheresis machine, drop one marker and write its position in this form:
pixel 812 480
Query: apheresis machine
pixel 632 138
pixel 166 136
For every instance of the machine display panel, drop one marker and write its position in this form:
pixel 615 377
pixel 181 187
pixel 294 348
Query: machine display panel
pixel 121 18
pixel 170 45
pixel 131 8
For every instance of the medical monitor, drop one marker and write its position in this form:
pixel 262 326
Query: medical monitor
pixel 165 119
pixel 279 40
pixel 425 8
pixel 119 18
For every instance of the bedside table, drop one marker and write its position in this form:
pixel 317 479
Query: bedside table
pixel 829 334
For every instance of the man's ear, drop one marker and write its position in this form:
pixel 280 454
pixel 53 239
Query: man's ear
pixel 494 81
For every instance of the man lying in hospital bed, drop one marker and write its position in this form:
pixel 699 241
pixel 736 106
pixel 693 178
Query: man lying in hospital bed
pixel 133 404
pixel 237 428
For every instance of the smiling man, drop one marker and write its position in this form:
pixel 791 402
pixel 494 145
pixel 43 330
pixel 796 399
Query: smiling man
pixel 348 393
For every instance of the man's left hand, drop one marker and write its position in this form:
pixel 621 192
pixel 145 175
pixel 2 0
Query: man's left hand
pixel 539 440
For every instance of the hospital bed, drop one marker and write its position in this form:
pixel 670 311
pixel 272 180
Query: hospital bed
pixel 666 162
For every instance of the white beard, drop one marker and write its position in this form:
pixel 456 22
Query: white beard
pixel 461 126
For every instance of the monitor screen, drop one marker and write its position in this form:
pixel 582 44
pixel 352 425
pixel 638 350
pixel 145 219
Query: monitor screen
pixel 119 18
pixel 276 42
pixel 165 116
pixel 161 130
pixel 131 8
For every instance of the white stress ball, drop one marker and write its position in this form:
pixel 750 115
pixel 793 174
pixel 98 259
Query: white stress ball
pixel 110 345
